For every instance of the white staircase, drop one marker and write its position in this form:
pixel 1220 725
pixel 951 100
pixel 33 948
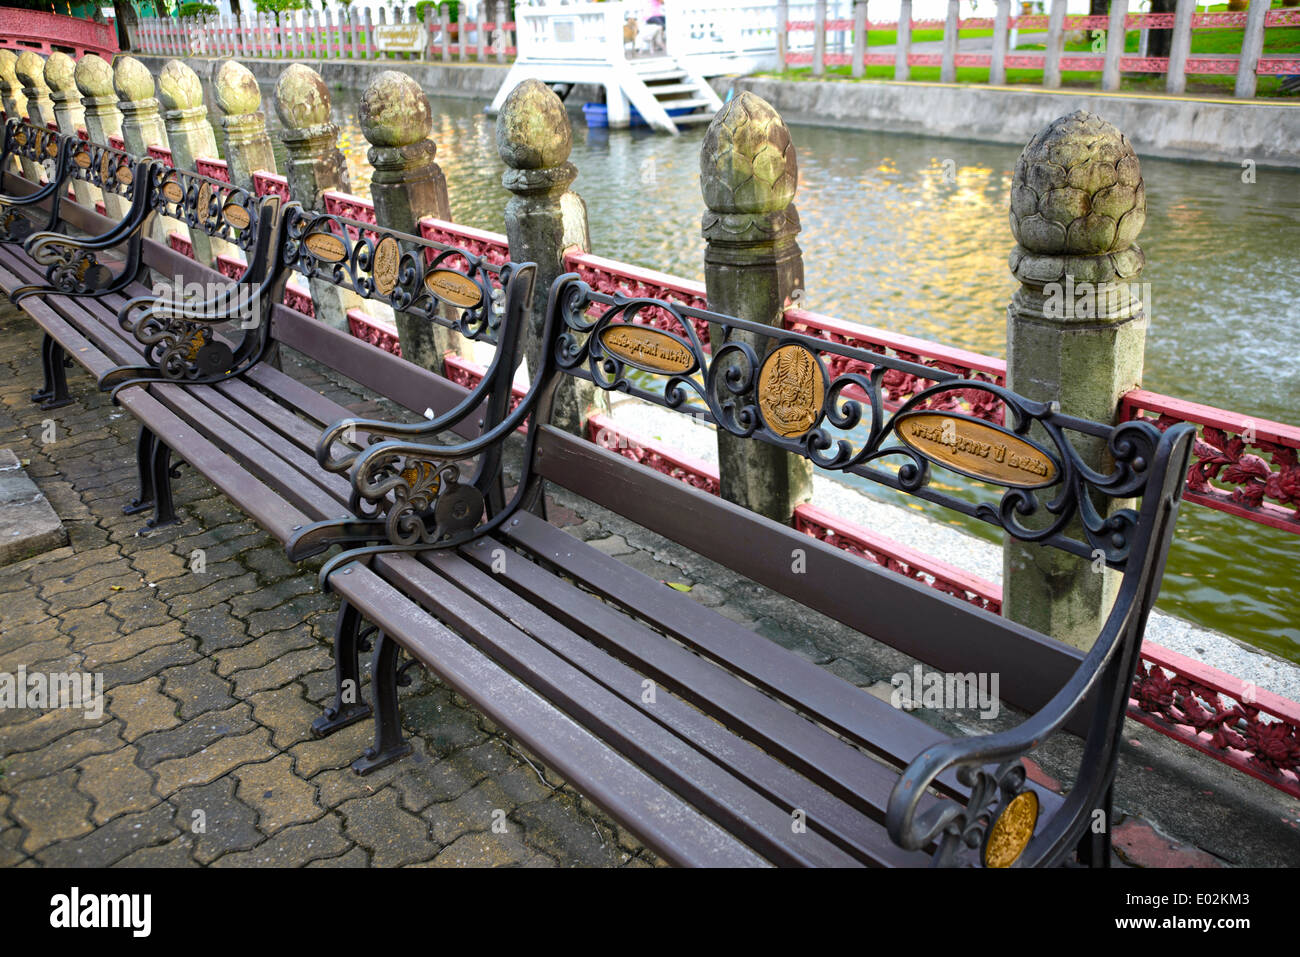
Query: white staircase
pixel 582 42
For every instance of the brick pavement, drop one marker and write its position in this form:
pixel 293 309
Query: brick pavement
pixel 203 753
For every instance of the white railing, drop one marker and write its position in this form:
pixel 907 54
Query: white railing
pixel 583 32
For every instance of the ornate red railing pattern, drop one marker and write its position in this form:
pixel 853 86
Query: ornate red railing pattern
pixel 268 184
pixel 214 168
pixel 377 334
pixel 160 153
pixel 25 29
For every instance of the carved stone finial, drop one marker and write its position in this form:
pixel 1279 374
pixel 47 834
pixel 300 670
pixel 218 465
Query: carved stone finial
pixel 302 99
pixel 395 111
pixel 94 77
pixel 179 87
pixel 59 70
pixel 1077 203
pixel 132 80
pixel 747 162
pixel 533 130
pixel 30 69
pixel 8 76
pixel 236 89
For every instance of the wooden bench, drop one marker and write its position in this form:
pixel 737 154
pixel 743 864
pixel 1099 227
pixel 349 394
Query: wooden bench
pixel 787 763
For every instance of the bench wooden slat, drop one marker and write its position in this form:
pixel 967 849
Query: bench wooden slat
pixel 833 817
pixel 660 819
pixel 943 631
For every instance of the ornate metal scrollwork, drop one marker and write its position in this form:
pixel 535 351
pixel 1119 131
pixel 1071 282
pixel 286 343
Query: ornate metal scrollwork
pixel 996 819
pixel 774 385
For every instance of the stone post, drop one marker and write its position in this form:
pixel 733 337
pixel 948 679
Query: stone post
pixel 30 69
pixel 407 184
pixel 1180 45
pixel 903 41
pixel 94 78
pixel 948 67
pixel 1076 330
pixel 1115 34
pixel 1055 44
pixel 998 62
pixel 11 90
pixel 142 124
pixel 69 114
pixel 752 264
pixel 543 219
pixel 248 147
pixel 314 164
pixel 1252 45
pixel 190 135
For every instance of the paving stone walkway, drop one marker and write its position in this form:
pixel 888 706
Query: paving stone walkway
pixel 202 754
pixel 213 671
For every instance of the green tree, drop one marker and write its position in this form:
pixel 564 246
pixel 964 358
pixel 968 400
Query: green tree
pixel 277 7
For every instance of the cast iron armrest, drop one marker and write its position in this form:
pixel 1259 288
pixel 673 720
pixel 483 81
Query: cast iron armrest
pixel 1112 658
pixel 500 373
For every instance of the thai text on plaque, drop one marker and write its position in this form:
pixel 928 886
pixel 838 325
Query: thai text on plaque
pixel 647 349
pixel 976 449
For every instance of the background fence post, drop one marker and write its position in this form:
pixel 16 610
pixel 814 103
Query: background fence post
pixel 407 184
pixel 314 164
pixel 190 134
pixel 859 37
pixel 1180 46
pixel 752 264
pixel 903 41
pixel 543 219
pixel 1055 44
pixel 951 26
pixel 1076 330
pixel 1115 36
pixel 94 78
pixel 248 148
pixel 782 32
pixel 998 60
pixel 69 114
pixel 819 38
pixel 1252 45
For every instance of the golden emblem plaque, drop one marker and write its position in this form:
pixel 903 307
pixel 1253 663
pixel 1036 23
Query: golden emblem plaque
pixel 791 390
pixel 453 288
pixel 384 268
pixel 106 167
pixel 124 175
pixel 204 201
pixel 236 215
pixel 326 247
pixel 648 349
pixel 82 159
pixel 1010 833
pixel 172 191
pixel 52 147
pixel 976 449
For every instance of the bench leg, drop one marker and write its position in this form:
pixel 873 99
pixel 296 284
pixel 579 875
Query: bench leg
pixel 54 363
pixel 153 462
pixel 389 744
pixel 348 707
pixel 144 444
pixel 1094 848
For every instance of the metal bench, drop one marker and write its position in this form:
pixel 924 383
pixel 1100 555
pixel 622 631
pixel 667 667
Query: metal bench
pixel 711 743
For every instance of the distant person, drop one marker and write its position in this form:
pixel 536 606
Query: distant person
pixel 653 34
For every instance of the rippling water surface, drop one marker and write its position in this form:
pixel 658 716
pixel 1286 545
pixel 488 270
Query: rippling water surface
pixel 887 242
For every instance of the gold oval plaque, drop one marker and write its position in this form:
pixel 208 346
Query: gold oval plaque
pixel 453 288
pixel 388 256
pixel 648 349
pixel 172 191
pixel 236 215
pixel 21 138
pixel 82 159
pixel 125 175
pixel 204 201
pixel 791 390
pixel 106 168
pixel 52 147
pixel 326 247
pixel 1010 833
pixel 977 449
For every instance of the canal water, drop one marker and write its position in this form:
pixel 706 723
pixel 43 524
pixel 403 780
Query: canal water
pixel 910 234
